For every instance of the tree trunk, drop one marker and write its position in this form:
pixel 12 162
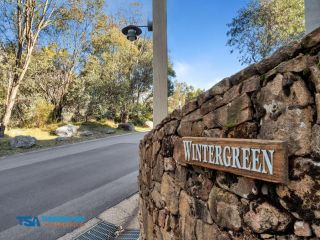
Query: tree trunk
pixel 57 113
pixel 124 117
pixel 2 129
pixel 8 108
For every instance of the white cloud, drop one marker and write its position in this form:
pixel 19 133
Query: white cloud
pixel 197 74
pixel 182 69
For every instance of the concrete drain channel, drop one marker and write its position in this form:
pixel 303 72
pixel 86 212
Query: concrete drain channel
pixel 108 231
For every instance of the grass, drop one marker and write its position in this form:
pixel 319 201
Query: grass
pixel 46 138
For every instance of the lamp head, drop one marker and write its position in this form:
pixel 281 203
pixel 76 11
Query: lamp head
pixel 132 32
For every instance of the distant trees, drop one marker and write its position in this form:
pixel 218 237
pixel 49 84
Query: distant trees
pixel 182 93
pixel 263 26
pixel 24 25
pixel 69 61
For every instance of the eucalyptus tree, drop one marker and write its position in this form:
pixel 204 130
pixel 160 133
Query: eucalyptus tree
pixel 73 38
pixel 21 24
pixel 263 26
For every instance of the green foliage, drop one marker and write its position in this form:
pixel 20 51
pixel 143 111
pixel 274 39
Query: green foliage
pixel 85 67
pixel 41 113
pixel 140 114
pixel 263 26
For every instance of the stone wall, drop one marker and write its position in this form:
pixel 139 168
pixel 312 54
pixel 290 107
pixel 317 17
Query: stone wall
pixel 277 98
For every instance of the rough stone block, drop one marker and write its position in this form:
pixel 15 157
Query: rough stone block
pixel 247 130
pixel 278 57
pixel 158 169
pixel 297 122
pixel 224 209
pixel 265 218
pixel 221 87
pixel 214 133
pixel 311 40
pixel 170 193
pixel 315 76
pixel 202 211
pixel 251 85
pixel 231 115
pixel 318 107
pixel 246 73
pixel 185 129
pixel 316 230
pixel 192 117
pixel 315 141
pixel 203 97
pixel 169 164
pixel 296 65
pixel 286 114
pixel 241 186
pixel 171 127
pixel 212 104
pixel 206 231
pixel 197 129
pixel 157 198
pixel 298 196
pixel 302 229
pixel 189 107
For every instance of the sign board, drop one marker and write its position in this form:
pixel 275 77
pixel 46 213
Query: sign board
pixel 254 158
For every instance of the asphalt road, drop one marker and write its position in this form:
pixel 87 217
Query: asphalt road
pixel 78 179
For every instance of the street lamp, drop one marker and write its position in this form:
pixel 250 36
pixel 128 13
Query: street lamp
pixel 160 57
pixel 132 32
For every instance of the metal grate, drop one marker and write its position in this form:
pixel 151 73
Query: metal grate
pixel 108 231
pixel 129 235
pixel 101 231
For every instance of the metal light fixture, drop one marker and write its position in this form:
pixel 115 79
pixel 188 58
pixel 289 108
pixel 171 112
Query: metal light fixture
pixel 132 32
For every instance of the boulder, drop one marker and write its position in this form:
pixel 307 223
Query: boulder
pixel 23 142
pixel 66 131
pixel 126 126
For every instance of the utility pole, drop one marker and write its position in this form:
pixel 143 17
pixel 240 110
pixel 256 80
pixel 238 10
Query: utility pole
pixel 312 15
pixel 160 61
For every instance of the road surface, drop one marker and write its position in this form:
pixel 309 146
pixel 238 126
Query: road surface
pixel 78 179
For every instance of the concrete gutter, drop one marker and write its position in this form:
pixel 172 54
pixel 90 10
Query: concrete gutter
pixel 124 214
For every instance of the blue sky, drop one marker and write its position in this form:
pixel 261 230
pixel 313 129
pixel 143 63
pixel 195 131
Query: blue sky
pixel 196 37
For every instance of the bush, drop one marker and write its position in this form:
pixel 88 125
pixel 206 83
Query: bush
pixel 140 114
pixel 42 112
pixel 139 121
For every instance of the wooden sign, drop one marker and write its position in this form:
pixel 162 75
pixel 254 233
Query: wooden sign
pixel 254 158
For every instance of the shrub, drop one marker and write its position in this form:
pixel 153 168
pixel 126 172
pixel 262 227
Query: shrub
pixel 41 113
